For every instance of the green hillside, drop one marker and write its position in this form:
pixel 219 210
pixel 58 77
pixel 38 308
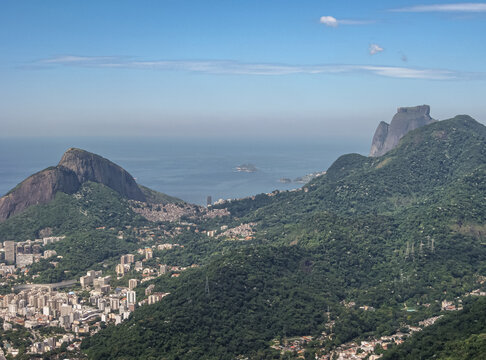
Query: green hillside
pixel 458 336
pixel 94 205
pixel 427 161
pixel 77 217
pixel 405 230
pixel 252 297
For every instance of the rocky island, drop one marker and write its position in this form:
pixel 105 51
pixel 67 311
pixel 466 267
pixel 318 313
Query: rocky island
pixel 248 168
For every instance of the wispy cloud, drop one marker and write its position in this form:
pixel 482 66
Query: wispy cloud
pixel 375 49
pixel 458 7
pixel 333 22
pixel 410 73
pixel 239 68
pixel 73 59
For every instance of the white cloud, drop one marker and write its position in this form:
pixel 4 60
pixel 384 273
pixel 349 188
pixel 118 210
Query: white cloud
pixel 458 7
pixel 329 21
pixel 333 22
pixel 375 49
pixel 224 67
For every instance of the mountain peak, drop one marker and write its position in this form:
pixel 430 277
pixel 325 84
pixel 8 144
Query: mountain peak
pixel 406 119
pixel 76 167
pixel 76 150
pixel 421 109
pixel 91 167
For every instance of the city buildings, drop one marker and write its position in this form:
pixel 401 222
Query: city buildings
pixel 132 284
pixel 10 251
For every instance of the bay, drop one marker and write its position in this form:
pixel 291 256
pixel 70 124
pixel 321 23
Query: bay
pixel 187 168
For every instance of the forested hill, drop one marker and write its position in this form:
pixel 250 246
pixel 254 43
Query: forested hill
pixel 234 306
pixel 397 232
pixel 427 162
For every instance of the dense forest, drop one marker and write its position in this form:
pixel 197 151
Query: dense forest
pixel 236 305
pixel 399 231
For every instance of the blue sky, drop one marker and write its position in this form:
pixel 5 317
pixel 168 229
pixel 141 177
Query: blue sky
pixel 234 67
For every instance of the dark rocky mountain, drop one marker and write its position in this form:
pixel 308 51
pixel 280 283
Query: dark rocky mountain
pixel 75 168
pixel 39 188
pixel 406 119
pixel 91 167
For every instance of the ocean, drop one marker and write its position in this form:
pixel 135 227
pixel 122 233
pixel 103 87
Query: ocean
pixel 187 168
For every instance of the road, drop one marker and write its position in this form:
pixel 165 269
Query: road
pixel 59 285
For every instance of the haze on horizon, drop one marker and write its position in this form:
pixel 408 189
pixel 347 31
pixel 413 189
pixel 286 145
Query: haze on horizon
pixel 229 68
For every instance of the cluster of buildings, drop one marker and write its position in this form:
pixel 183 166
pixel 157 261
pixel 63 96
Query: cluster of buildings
pixel 117 305
pixel 42 346
pixel 450 305
pixel 364 349
pixel 78 313
pixel 21 254
pixel 127 263
pixel 54 342
pixel 293 345
pixel 253 197
pixel 174 212
pixel 477 292
pixel 40 306
pixel 94 279
pixel 349 351
pixel 240 232
pixel 168 246
pixel 429 321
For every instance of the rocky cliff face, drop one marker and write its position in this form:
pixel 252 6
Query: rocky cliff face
pixel 91 167
pixel 39 188
pixel 76 167
pixel 406 119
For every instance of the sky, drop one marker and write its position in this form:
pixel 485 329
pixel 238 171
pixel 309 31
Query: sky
pixel 306 68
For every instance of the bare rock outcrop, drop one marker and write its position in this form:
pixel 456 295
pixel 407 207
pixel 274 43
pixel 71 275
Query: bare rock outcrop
pixel 91 167
pixel 406 119
pixel 39 188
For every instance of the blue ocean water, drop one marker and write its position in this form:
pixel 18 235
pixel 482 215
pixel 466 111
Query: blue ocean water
pixel 188 168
